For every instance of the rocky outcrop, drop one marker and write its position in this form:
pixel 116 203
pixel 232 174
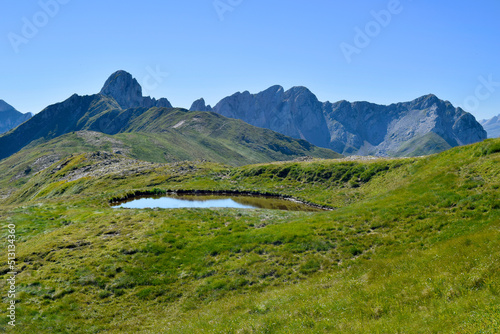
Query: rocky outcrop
pixel 296 112
pixel 128 93
pixel 360 128
pixel 492 126
pixel 199 105
pixel 369 129
pixel 10 117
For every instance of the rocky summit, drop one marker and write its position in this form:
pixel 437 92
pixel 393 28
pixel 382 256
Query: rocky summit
pixel 422 126
pixel 10 117
pixel 199 105
pixel 128 92
pixel 296 112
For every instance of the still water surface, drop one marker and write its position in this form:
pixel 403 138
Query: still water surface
pixel 215 201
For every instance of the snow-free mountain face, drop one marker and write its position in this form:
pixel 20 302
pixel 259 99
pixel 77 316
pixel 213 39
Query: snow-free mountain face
pixel 296 112
pixel 423 126
pixel 128 93
pixel 10 117
pixel 492 126
pixel 199 105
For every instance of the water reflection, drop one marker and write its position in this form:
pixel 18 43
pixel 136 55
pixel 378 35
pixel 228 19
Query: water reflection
pixel 215 201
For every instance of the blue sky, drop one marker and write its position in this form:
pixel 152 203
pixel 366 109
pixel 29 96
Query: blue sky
pixel 378 51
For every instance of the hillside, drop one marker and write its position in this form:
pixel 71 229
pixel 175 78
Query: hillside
pixel 413 246
pixel 10 117
pixel 164 135
pixel 74 114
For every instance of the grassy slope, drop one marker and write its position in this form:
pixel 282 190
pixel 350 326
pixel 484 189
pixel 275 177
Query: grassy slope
pixel 18 168
pixel 413 247
pixel 230 141
pixel 212 142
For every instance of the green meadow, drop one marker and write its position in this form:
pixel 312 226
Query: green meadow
pixel 411 245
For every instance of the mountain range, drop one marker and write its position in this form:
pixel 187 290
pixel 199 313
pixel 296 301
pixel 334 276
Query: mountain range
pixel 120 119
pixel 10 117
pixel 492 126
pixel 237 123
pixel 422 126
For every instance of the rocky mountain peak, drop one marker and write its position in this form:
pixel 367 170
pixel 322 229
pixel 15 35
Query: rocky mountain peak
pixel 296 112
pixel 299 90
pixel 302 96
pixel 199 105
pixel 276 89
pixel 426 101
pixel 125 89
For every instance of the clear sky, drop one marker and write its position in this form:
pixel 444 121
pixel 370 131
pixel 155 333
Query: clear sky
pixel 379 51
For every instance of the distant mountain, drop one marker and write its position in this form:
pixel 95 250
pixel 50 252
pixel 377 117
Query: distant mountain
pixel 296 112
pixel 423 126
pixel 155 133
pixel 492 126
pixel 199 105
pixel 128 93
pixel 10 117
